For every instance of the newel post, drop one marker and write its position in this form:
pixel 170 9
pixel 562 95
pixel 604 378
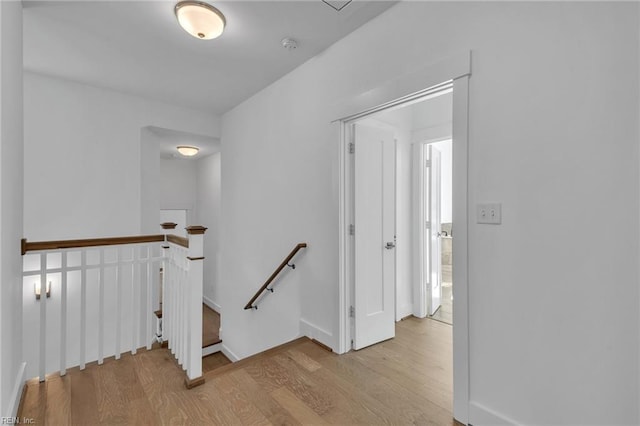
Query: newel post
pixel 195 280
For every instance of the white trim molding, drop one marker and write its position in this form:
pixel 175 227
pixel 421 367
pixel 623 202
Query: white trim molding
pixel 480 415
pixel 460 138
pixel 210 303
pixel 405 88
pixel 312 331
pixel 18 386
pixel 229 354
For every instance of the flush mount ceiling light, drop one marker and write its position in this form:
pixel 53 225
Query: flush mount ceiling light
pixel 199 19
pixel 188 151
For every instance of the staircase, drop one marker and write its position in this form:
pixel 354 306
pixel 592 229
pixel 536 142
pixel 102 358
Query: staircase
pixel 211 342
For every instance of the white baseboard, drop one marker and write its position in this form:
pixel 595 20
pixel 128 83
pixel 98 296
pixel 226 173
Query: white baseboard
pixel 314 332
pixel 211 349
pixel 210 303
pixel 480 415
pixel 16 394
pixel 227 352
pixel 404 311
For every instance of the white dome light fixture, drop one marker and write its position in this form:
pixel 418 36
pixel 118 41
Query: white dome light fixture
pixel 188 151
pixel 199 19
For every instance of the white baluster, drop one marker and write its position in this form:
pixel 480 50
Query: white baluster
pixel 101 309
pixel 118 302
pixel 83 309
pixel 43 315
pixel 63 315
pixel 135 287
pixel 149 310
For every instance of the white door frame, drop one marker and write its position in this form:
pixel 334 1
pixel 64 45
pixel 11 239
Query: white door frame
pixel 404 90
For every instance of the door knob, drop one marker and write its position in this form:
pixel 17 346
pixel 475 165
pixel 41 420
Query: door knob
pixel 390 245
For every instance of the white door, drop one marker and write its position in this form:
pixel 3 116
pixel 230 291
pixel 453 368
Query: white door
pixel 434 272
pixel 375 211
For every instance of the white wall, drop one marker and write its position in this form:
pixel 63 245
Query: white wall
pixel 83 157
pixel 11 154
pixel 195 186
pixel 177 216
pixel 178 187
pixel 553 136
pixel 432 118
pixel 208 214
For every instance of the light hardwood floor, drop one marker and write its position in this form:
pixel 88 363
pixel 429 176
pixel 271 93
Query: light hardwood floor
pixel 445 312
pixel 405 380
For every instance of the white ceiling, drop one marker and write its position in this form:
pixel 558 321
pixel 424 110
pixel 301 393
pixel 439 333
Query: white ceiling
pixel 168 140
pixel 137 47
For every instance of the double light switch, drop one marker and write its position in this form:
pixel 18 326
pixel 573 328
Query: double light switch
pixel 489 213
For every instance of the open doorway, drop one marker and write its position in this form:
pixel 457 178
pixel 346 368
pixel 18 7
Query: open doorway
pixel 401 199
pixel 391 97
pixel 434 209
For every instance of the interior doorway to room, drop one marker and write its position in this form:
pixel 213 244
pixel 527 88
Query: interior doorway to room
pixel 449 73
pixel 398 216
pixel 434 190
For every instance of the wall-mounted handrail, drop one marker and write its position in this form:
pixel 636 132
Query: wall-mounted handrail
pixel 265 286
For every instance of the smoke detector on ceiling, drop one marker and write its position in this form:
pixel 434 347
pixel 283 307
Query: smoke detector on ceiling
pixel 289 43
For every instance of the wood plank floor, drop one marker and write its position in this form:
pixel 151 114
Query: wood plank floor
pixel 405 380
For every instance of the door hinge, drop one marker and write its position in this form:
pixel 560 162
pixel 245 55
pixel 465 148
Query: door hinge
pixel 352 312
pixel 352 229
pixel 427 163
pixel 352 147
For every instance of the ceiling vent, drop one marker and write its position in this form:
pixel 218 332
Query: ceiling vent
pixel 336 4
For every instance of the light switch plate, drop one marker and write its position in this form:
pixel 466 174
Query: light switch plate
pixel 490 213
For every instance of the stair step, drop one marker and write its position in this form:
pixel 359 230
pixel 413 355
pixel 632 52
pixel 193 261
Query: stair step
pixel 210 326
pixel 211 342
pixel 211 349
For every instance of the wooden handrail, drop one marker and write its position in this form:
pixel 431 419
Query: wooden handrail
pixel 89 242
pixel 181 241
pixel 284 263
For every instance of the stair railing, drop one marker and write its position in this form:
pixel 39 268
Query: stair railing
pixel 265 286
pixel 85 300
pixel 183 274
